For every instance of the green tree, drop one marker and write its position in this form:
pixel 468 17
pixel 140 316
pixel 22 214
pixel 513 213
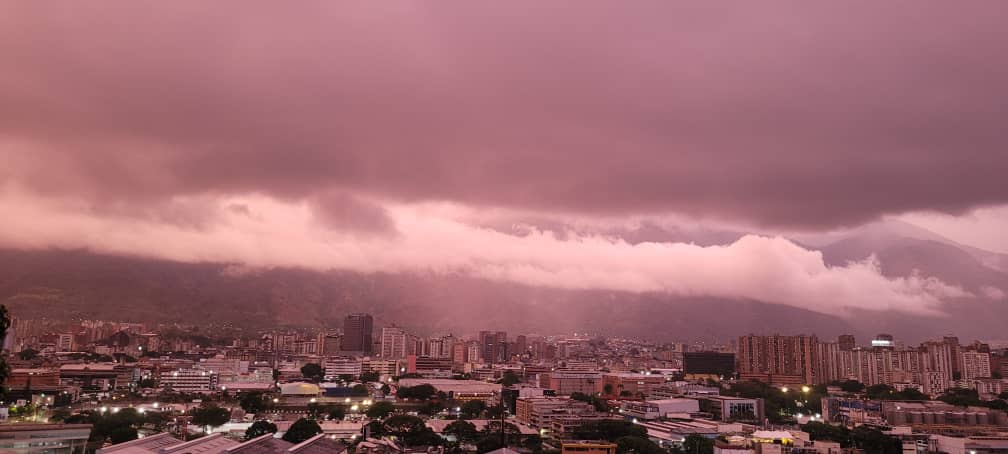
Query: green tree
pixel 301 430
pixel 385 389
pixel 420 392
pixel 368 377
pixel 698 444
pixel 210 415
pixel 410 431
pixel 852 386
pixel 961 397
pixel 255 402
pixel 122 434
pixel 607 389
pixel 337 412
pixel 638 445
pixel 28 354
pixel 380 409
pixel 312 371
pixel 260 428
pixel 874 441
pixel 464 431
pixel 473 409
pixel 361 390
pixel 509 379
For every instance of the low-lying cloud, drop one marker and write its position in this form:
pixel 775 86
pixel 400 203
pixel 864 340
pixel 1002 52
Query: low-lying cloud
pixel 269 232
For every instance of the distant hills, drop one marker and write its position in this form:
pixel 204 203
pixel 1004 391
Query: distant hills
pixel 79 284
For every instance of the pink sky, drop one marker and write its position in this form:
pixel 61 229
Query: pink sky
pixel 382 136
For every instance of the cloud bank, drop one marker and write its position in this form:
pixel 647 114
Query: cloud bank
pixel 777 114
pixel 435 237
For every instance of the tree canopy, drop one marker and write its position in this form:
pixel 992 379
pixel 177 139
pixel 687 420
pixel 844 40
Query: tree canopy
pixel 260 428
pixel 301 430
pixel 312 371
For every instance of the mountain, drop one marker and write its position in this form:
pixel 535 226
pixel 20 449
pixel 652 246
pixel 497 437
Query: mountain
pixel 76 284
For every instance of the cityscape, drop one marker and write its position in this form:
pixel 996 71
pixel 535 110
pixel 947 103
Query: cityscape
pixel 503 227
pixel 383 389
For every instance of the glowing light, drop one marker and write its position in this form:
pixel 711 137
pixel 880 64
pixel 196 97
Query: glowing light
pixel 784 389
pixel 804 389
pixel 275 400
pixel 354 407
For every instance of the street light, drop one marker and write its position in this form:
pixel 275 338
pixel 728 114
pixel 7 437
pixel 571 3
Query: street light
pixel 784 389
pixel 804 389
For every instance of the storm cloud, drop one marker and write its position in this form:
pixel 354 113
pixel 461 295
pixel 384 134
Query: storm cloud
pixel 325 134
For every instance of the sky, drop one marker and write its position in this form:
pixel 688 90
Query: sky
pixel 514 141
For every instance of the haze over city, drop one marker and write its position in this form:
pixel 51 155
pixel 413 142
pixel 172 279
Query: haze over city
pixel 512 227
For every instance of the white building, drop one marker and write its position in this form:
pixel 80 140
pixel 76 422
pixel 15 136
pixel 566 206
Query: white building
pixel 189 380
pixel 975 365
pixel 342 365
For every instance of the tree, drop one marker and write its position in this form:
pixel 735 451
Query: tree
pixel 410 431
pixel 874 441
pixel 473 409
pixel 28 354
pixel 421 392
pixel 386 389
pixel 607 389
pixel 852 386
pixel 210 415
pixel 368 377
pixel 312 371
pixel 301 430
pixel 1003 395
pixel 464 431
pixel 509 379
pixel 122 434
pixel 610 430
pixel 337 412
pixel 255 402
pixel 260 428
pixel 698 444
pixel 961 397
pixel 360 390
pixel 639 445
pixel 380 410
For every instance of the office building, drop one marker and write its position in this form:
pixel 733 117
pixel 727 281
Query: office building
pixel 714 364
pixel 357 333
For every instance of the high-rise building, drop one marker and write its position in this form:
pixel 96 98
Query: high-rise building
pixel 396 343
pixel 975 365
pixel 846 342
pixel 357 335
pixel 777 359
pixel 493 346
pixel 954 349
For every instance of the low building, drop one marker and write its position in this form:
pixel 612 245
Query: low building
pixel 336 366
pixel 654 409
pixel 188 381
pixel 567 383
pixel 587 447
pixel 968 445
pixel 728 408
pixel 44 438
pixel 461 390
pixel 630 384
pixel 539 412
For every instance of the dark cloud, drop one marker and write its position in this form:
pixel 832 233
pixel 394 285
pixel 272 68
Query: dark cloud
pixel 344 212
pixel 783 114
